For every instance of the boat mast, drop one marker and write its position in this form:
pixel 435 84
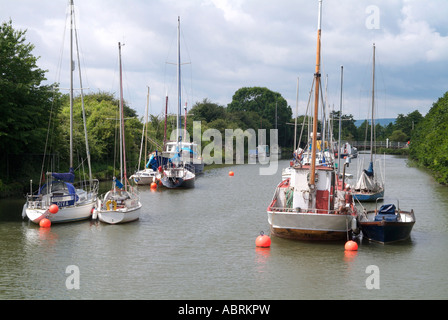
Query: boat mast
pixel 146 127
pixel 122 144
pixel 295 121
pixel 83 108
pixel 72 8
pixel 340 121
pixel 179 134
pixel 373 106
pixel 166 119
pixel 316 100
pixel 185 121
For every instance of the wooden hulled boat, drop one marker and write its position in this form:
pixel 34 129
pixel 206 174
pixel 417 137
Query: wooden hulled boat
pixel 386 225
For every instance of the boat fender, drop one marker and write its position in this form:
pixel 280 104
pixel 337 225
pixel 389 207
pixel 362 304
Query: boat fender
pixel 94 213
pixel 113 202
pixel 355 228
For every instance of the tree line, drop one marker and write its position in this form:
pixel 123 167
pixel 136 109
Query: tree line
pixel 34 120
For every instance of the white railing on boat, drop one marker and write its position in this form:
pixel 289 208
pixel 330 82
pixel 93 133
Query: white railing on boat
pixel 279 210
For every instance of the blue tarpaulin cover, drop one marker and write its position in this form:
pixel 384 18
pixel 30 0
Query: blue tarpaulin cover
pixel 118 183
pixel 387 209
pixel 387 213
pixel 71 189
pixel 67 177
pixel 155 161
pixel 369 171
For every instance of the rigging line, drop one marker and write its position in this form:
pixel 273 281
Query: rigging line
pixel 306 113
pixel 79 49
pixel 57 80
pixel 83 108
pixel 61 51
pixel 184 42
pixel 47 137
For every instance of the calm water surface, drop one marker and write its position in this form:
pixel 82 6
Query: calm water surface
pixel 200 244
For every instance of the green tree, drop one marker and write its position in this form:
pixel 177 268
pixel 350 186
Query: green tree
pixel 398 135
pixel 267 104
pixel 25 104
pixel 207 111
pixel 102 127
pixel 429 140
pixel 349 130
pixel 407 123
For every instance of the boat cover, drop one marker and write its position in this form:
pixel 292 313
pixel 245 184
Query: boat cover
pixel 387 213
pixel 387 209
pixel 58 186
pixel 188 149
pixel 156 161
pixel 67 177
pixel 118 183
pixel 369 171
pixel 366 182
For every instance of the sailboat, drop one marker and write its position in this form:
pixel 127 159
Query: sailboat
pixel 177 172
pixel 122 203
pixel 73 202
pixel 309 205
pixel 147 175
pixel 368 188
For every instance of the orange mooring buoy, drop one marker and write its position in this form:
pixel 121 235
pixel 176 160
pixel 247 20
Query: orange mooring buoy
pixel 351 245
pixel 263 241
pixel 53 209
pixel 231 173
pixel 45 223
pixel 153 185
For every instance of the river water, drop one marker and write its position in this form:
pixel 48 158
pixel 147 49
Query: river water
pixel 200 244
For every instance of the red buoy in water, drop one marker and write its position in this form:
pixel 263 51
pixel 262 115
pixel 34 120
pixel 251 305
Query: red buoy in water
pixel 263 241
pixel 231 173
pixel 53 209
pixel 153 186
pixel 351 245
pixel 45 223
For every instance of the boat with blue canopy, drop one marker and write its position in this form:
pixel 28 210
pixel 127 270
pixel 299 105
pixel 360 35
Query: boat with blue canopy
pixel 387 224
pixel 74 201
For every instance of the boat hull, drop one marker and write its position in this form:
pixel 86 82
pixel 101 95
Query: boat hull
pixel 198 167
pixel 367 197
pixel 118 206
pixel 310 226
pixel 177 183
pixel 178 177
pixel 65 214
pixel 119 217
pixel 385 231
pixel 144 177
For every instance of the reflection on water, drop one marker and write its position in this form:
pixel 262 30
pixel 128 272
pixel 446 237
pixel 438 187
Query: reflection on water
pixel 200 244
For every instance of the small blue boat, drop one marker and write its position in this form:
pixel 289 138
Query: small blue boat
pixel 367 187
pixel 386 225
pixel 366 196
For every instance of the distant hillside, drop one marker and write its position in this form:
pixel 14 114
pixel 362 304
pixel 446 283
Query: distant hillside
pixel 383 122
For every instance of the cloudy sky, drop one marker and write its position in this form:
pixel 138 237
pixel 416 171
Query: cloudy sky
pixel 229 44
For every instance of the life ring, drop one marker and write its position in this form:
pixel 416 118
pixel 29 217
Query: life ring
pixel 108 204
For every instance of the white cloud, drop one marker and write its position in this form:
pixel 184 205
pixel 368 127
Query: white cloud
pixel 232 44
